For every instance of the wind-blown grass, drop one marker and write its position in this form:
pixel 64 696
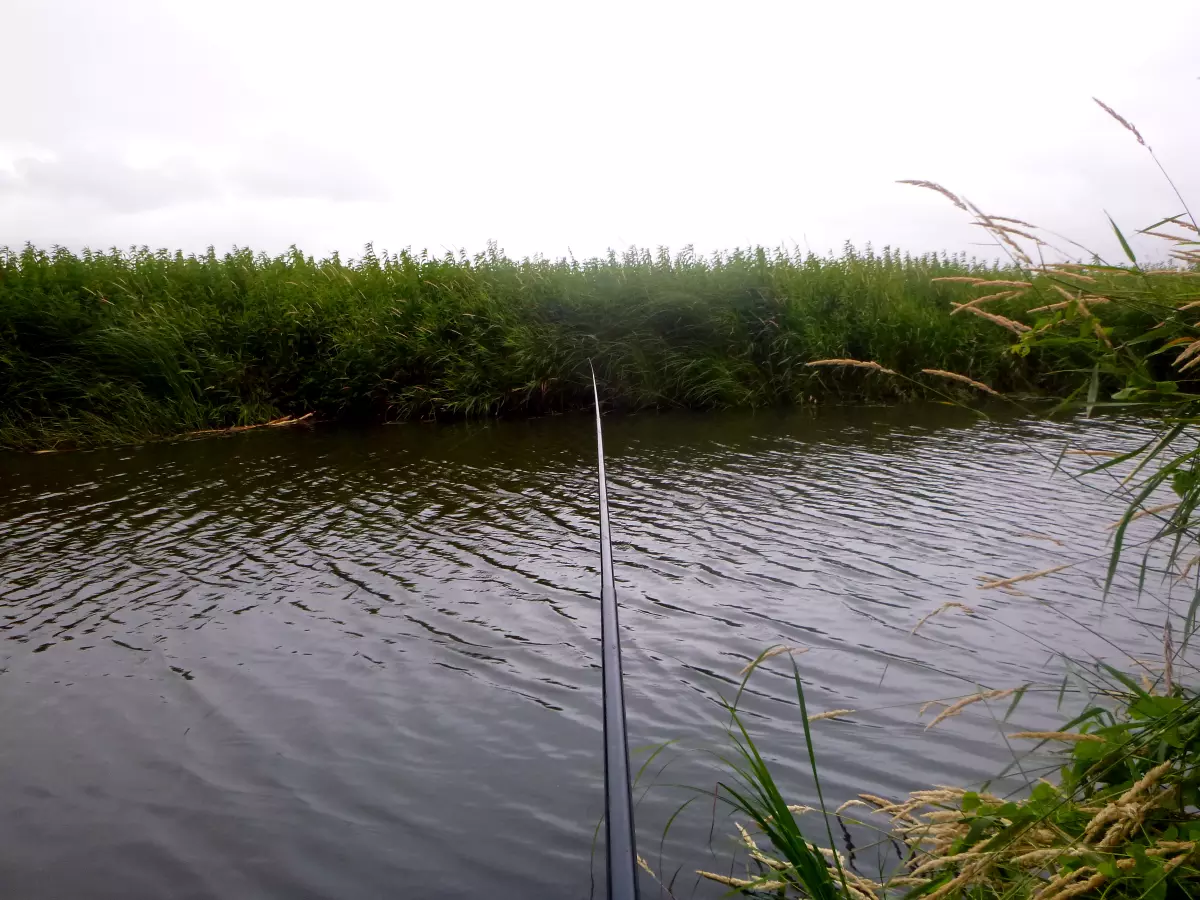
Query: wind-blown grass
pixel 1120 821
pixel 119 346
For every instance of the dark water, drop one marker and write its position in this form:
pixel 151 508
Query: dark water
pixel 364 664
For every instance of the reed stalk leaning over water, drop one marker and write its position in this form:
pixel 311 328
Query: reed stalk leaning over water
pixel 1123 819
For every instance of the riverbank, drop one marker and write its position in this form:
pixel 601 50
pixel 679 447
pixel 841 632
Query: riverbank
pixel 111 347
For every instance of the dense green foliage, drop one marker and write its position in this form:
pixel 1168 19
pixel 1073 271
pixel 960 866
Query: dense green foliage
pixel 1120 821
pixel 124 346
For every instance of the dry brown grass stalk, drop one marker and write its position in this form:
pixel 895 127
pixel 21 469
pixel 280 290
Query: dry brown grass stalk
pixel 955 708
pixel 877 800
pixel 1190 350
pixel 1029 576
pixel 1041 856
pixel 853 363
pixel 971 304
pixel 942 373
pixel 990 224
pixel 1079 276
pixel 951 604
pixel 960 279
pixel 1142 513
pixel 730 881
pixel 934 186
pixel 1188 566
pixel 1050 307
pixel 1011 325
pixel 853 802
pixel 1079 888
pixel 831 714
pixel 1057 736
pixel 1120 118
pixel 770 654
pixel 940 861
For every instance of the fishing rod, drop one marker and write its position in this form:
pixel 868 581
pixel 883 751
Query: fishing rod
pixel 618 798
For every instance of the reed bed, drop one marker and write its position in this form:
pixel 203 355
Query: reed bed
pixel 126 346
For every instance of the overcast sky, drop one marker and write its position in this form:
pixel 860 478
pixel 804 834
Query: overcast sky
pixel 550 127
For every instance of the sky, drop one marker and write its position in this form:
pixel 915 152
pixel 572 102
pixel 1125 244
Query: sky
pixel 556 128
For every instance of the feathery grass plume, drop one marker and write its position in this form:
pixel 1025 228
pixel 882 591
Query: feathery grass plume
pixel 1041 537
pixel 939 862
pixel 1192 348
pixel 853 363
pixel 879 802
pixel 1002 283
pixel 853 802
pixel 1039 858
pixel 955 708
pixel 756 884
pixel 961 378
pixel 990 225
pixel 769 654
pixel 1187 567
pixel 1125 122
pixel 1058 270
pixel 1011 325
pixel 959 279
pixel 1029 576
pixel 934 186
pixel 1050 307
pixel 971 304
pixel 1080 888
pixel 831 714
pixel 1057 736
pixel 1142 513
pixel 951 604
pixel 929 703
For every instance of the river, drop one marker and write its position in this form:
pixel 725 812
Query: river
pixel 358 664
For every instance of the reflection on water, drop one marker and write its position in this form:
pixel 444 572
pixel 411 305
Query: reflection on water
pixel 364 663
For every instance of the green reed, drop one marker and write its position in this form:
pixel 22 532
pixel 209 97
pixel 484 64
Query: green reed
pixel 118 346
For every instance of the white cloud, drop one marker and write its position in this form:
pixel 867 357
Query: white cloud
pixel 587 125
pixel 106 181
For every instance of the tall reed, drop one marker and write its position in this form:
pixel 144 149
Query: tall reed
pixel 99 347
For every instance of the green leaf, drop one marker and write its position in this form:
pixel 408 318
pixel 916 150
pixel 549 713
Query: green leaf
pixel 970 801
pixel 1183 482
pixel 1124 243
pixel 1043 792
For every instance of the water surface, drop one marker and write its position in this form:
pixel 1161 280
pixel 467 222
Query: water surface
pixel 365 663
